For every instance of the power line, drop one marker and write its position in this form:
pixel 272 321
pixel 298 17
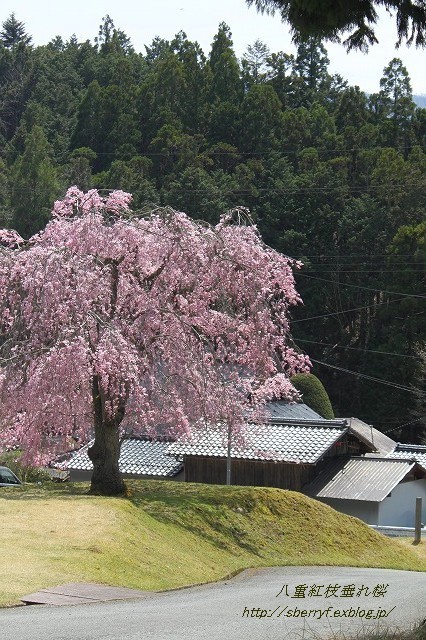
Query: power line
pixel 339 346
pixel 355 255
pixel 232 154
pixel 343 262
pixel 296 190
pixel 336 313
pixel 255 191
pixel 337 270
pixel 379 380
pixel 400 426
pixel 358 286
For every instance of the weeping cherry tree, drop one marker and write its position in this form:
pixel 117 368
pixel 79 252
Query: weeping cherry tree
pixel 159 325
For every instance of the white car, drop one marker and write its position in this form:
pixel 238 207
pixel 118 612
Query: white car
pixel 8 478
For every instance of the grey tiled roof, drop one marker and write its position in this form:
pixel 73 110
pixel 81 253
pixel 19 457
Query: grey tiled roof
pixel 415 452
pixel 137 457
pixel 276 441
pixel 370 479
pixel 380 441
pixel 292 411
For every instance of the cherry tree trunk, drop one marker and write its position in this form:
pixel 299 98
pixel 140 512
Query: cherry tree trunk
pixel 105 452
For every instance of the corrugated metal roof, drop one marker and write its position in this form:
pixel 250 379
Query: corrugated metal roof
pixel 277 442
pixel 292 411
pixel 380 442
pixel 370 479
pixel 137 457
pixel 415 452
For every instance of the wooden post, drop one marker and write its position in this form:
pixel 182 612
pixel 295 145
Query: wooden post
pixel 418 522
pixel 228 456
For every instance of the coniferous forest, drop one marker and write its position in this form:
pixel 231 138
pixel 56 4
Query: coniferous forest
pixel 332 177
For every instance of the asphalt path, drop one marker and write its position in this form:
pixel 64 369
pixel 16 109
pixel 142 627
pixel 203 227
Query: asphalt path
pixel 261 604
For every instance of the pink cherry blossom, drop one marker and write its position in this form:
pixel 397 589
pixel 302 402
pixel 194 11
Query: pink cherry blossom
pixel 10 238
pixel 113 323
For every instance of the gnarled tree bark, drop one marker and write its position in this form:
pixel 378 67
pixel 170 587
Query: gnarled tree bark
pixel 105 452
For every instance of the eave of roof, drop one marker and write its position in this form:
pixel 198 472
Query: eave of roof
pixel 415 452
pixel 375 439
pixel 292 411
pixel 278 441
pixel 138 456
pixel 368 479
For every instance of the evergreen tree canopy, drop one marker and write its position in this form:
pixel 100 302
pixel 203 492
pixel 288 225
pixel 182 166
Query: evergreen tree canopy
pixel 255 61
pixel 329 175
pixel 397 101
pixel 226 85
pixel 34 184
pixel 330 19
pixel 13 33
pixel 111 39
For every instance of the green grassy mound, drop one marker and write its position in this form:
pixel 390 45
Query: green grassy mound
pixel 166 535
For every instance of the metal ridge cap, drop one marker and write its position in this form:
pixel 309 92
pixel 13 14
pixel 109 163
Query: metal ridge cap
pixel 383 459
pixel 302 422
pixel 410 447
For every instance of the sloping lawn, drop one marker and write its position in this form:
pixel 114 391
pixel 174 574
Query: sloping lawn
pixel 166 535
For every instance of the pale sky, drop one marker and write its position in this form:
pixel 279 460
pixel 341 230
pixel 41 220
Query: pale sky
pixel 142 20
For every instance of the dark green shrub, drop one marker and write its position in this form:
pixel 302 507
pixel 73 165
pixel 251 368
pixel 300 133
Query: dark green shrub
pixel 313 393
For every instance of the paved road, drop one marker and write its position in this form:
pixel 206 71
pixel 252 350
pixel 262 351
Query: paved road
pixel 247 606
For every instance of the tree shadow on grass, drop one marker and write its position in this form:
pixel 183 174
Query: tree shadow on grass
pixel 202 513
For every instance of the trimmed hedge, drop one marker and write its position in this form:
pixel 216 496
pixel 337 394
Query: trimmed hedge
pixel 313 393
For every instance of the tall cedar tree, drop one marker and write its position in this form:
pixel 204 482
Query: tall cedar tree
pixel 13 33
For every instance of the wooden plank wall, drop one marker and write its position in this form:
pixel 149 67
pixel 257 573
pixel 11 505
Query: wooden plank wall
pixel 265 473
pixel 248 472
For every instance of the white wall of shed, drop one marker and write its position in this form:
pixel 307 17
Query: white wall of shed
pixel 399 508
pixel 366 511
